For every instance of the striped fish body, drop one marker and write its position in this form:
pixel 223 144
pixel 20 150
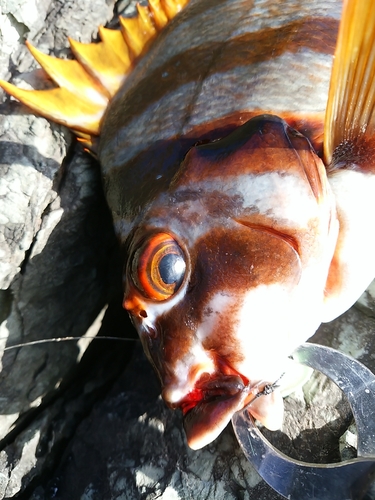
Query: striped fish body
pixel 238 240
pixel 228 243
pixel 218 64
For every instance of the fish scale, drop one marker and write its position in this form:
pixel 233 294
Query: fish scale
pixel 222 72
pixel 181 93
pixel 212 152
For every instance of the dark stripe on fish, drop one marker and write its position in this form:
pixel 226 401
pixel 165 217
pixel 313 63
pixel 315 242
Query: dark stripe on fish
pixel 317 34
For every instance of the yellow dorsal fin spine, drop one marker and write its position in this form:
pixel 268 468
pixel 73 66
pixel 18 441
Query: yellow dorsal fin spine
pixel 87 84
pixel 70 75
pixel 136 33
pixel 159 15
pixel 351 101
pixel 102 63
pixel 115 40
pixel 61 106
pixel 173 7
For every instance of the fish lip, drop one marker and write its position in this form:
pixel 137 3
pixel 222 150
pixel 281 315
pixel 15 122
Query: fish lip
pixel 207 412
pixel 210 406
pixel 223 387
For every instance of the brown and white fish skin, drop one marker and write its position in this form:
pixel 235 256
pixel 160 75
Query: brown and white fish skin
pixel 255 237
pixel 353 267
pixel 235 335
pixel 216 326
pixel 210 71
pixel 265 246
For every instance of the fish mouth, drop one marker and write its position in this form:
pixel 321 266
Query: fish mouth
pixel 210 406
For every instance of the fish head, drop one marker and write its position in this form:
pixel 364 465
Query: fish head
pixel 226 271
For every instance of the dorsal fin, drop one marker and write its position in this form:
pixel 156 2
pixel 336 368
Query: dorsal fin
pixel 350 111
pixel 87 84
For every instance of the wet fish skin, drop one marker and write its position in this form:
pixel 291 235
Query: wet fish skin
pixel 255 238
pixel 217 65
pixel 238 241
pixel 237 249
pixel 255 219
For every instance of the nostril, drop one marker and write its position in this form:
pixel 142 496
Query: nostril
pixel 142 313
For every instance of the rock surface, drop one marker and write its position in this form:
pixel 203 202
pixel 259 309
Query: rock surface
pixel 79 423
pixel 57 248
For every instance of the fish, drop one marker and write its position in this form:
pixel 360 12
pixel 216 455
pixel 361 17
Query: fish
pixel 236 143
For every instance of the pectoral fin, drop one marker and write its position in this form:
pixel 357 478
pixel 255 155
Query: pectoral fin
pixel 350 115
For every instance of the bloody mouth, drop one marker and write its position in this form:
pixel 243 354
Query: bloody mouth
pixel 210 406
pixel 211 390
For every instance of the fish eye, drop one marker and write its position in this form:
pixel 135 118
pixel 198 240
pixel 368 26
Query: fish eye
pixel 158 267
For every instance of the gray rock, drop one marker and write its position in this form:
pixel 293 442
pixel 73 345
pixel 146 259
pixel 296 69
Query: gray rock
pixel 57 248
pixel 367 300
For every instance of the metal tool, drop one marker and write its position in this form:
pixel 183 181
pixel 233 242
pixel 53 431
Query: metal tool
pixel 297 480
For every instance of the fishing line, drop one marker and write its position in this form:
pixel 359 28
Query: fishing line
pixel 63 339
pixel 270 388
pixel 267 389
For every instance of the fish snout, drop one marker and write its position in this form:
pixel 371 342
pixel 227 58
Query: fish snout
pixel 135 306
pixel 203 382
pixel 210 392
pixel 183 382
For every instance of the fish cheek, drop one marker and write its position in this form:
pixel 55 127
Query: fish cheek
pixel 223 339
pixel 205 326
pixel 258 260
pixel 225 266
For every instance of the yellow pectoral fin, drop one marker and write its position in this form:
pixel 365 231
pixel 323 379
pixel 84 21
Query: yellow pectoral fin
pixel 61 106
pixel 350 113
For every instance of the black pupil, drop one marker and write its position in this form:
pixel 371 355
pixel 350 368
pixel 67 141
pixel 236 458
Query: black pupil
pixel 172 268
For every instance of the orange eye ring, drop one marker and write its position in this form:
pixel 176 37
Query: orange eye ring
pixel 158 267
